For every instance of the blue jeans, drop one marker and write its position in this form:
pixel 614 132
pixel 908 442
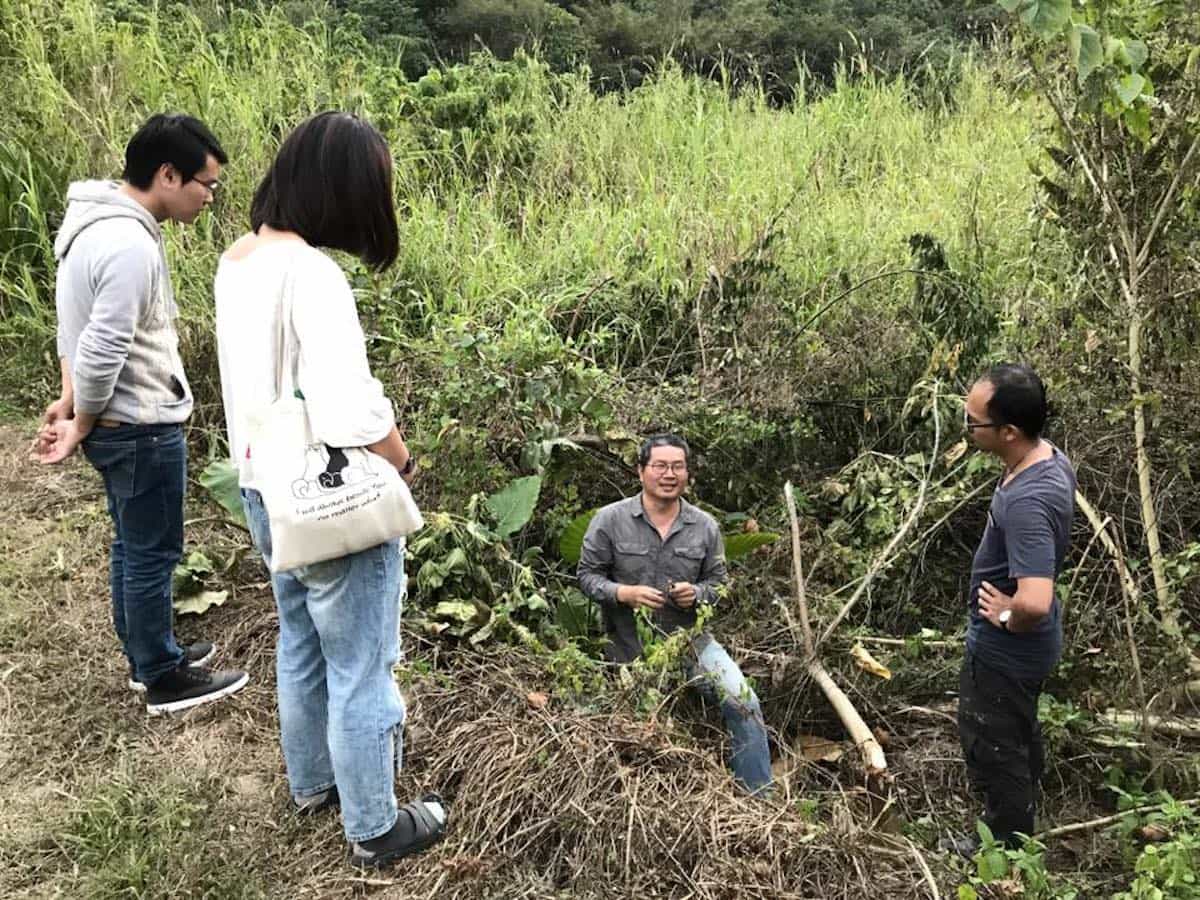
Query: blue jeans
pixel 719 679
pixel 145 470
pixel 340 711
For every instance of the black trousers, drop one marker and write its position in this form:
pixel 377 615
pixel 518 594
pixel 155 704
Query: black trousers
pixel 1002 744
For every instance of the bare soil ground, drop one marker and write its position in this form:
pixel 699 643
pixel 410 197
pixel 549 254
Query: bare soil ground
pixel 97 799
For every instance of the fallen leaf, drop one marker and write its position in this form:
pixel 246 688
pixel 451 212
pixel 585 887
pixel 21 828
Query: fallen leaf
pixel 1154 833
pixel 750 526
pixel 818 749
pixel 537 699
pixel 955 453
pixel 866 661
pixel 201 602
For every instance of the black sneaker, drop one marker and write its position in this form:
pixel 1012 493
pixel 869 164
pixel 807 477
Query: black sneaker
pixel 190 686
pixel 316 803
pixel 964 845
pixel 197 654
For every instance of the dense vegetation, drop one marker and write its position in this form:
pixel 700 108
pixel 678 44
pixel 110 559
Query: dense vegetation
pixel 801 282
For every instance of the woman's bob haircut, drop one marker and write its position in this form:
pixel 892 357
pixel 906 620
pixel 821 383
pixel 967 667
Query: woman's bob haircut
pixel 331 183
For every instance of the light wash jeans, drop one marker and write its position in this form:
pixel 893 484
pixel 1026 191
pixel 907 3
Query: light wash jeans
pixel 720 680
pixel 340 710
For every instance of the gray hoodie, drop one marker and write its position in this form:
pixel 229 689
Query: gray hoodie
pixel 116 309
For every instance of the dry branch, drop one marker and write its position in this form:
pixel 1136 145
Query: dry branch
pixel 873 757
pixel 1177 726
pixel 1093 824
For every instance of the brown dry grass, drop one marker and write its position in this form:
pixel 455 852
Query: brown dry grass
pixel 565 800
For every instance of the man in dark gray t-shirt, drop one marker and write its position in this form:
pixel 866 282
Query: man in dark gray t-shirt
pixel 1014 638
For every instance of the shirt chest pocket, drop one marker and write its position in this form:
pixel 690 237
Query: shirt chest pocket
pixel 686 561
pixel 632 561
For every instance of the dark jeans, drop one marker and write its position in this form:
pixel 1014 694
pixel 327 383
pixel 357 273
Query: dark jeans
pixel 1002 744
pixel 144 469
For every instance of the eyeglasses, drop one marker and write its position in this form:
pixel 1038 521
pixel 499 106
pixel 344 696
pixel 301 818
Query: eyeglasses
pixel 659 467
pixel 210 186
pixel 971 426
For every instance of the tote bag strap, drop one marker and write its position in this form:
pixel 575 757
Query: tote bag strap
pixel 287 362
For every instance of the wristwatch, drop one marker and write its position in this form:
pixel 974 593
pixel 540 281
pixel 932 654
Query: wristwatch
pixel 1004 617
pixel 409 465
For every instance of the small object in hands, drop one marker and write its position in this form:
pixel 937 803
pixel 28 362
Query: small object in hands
pixel 1004 617
pixel 667 595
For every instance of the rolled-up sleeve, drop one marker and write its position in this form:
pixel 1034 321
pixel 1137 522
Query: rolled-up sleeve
pixel 596 563
pixel 712 570
pixel 346 403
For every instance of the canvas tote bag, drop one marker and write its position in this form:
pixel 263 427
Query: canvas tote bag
pixel 323 502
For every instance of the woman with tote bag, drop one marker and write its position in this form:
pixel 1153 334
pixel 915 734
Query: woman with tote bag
pixel 315 442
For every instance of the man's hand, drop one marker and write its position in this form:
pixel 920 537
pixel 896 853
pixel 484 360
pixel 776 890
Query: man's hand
pixel 55 442
pixel 683 594
pixel 62 408
pixel 635 595
pixel 992 603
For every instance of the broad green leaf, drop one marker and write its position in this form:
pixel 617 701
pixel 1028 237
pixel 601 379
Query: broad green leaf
pixel 743 543
pixel 1046 17
pixel 513 506
pixel 1129 88
pixel 1136 53
pixel 220 479
pixel 200 602
pixel 570 543
pixel 456 610
pixel 576 614
pixel 1086 50
pixel 966 892
pixel 1137 120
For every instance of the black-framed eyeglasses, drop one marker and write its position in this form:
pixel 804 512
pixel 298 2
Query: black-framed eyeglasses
pixel 210 186
pixel 971 426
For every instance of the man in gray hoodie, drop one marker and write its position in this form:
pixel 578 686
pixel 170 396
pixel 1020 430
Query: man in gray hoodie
pixel 124 392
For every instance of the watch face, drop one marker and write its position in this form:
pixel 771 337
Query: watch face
pixel 1005 616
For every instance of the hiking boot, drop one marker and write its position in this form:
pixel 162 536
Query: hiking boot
pixel 189 686
pixel 197 654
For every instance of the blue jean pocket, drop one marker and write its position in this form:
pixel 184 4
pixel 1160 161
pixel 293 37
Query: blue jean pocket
pixel 116 461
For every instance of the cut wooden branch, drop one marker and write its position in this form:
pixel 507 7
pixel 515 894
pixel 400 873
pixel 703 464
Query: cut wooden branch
pixel 1176 726
pixel 904 642
pixel 874 759
pixel 806 635
pixel 1094 824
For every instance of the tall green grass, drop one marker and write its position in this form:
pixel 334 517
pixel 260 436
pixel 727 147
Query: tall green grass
pixel 569 228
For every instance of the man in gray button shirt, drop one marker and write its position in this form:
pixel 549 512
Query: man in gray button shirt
pixel 657 552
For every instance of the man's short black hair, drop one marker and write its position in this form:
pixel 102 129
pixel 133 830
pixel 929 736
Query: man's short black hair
pixel 662 440
pixel 183 141
pixel 1018 398
pixel 331 183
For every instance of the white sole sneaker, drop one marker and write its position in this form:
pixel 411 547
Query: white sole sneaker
pixel 138 688
pixel 180 705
